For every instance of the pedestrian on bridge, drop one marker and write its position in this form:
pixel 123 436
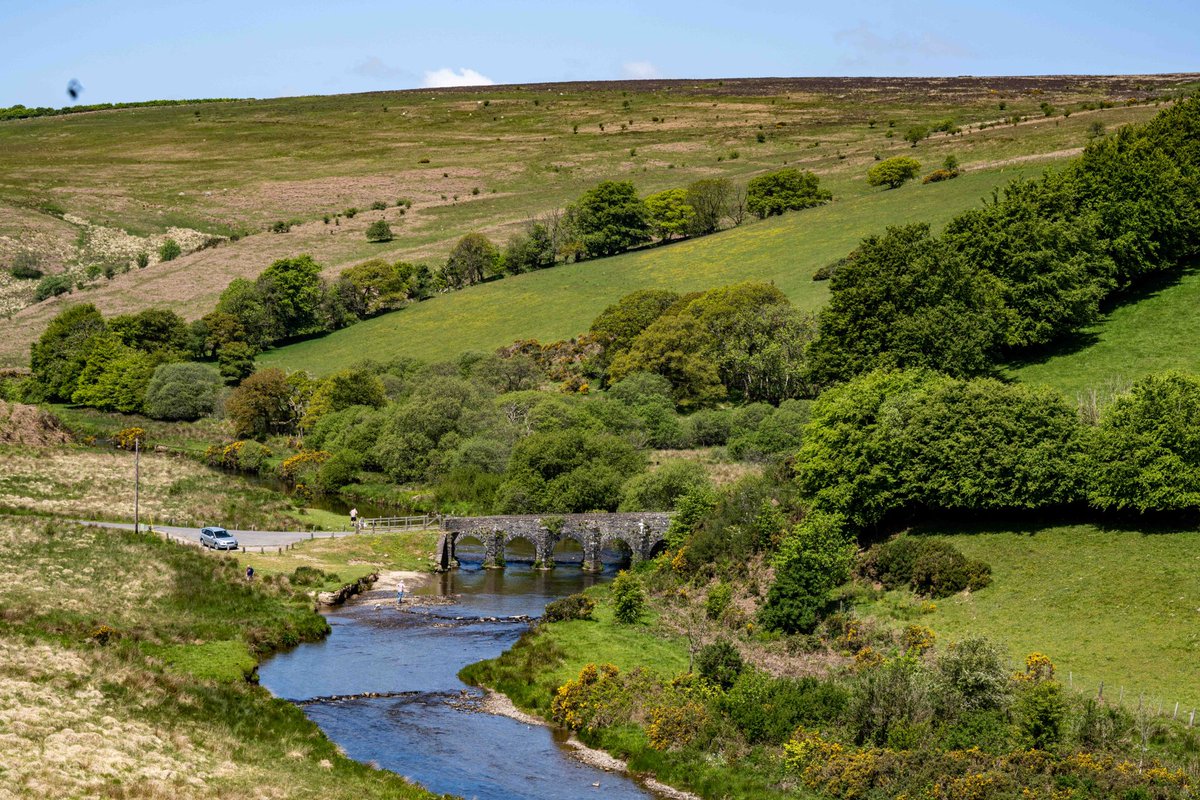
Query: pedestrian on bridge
pixel 354 518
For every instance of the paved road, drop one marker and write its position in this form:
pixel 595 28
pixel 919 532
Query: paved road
pixel 251 540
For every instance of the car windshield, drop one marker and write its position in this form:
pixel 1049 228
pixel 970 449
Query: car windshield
pixel 222 534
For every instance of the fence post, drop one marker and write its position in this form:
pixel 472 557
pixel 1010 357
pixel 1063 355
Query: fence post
pixel 1192 718
pixel 1176 712
pixel 1100 696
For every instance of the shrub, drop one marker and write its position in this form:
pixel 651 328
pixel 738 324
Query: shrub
pixel 142 259
pixel 927 566
pixel 973 677
pixel 768 710
pixel 350 212
pixel 379 231
pixel 52 286
pixel 719 598
pixel 939 175
pixel 25 267
pixel 1041 709
pixel 812 560
pixel 629 598
pixel 311 576
pixel 893 172
pixel 341 469
pixel 785 190
pixel 182 391
pixel 719 663
pixel 280 226
pixel 378 205
pixel 576 606
pixel 169 250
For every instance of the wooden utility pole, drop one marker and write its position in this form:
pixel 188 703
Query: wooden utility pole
pixel 137 484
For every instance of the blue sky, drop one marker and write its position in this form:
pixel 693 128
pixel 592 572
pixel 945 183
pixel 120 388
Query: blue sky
pixel 141 50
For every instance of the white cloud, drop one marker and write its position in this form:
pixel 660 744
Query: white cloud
pixel 441 78
pixel 639 71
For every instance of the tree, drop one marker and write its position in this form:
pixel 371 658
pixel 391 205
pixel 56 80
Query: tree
pixel 659 489
pixel 292 292
pixel 1049 258
pixel 184 390
pixel 243 301
pixel 169 250
pixel 379 231
pixel 670 214
pixel 153 330
pixel 814 559
pixel 678 348
pixel 114 377
pixel 349 387
pixel 785 190
pixel 59 354
pixel 915 134
pixel 908 300
pixel 610 219
pixel 620 323
pixel 893 172
pixel 898 442
pixel 235 361
pixel 1147 449
pixel 567 471
pixel 473 258
pixel 261 405
pixel 377 286
pixel 709 199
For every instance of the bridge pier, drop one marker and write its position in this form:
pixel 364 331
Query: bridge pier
pixel 640 532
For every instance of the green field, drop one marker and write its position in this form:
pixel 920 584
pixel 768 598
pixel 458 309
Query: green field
pixel 561 302
pixel 1157 331
pixel 1106 604
pixel 94 189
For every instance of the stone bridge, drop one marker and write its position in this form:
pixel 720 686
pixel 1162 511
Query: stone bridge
pixel 642 533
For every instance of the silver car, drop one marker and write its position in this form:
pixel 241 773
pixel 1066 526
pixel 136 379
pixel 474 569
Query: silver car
pixel 218 539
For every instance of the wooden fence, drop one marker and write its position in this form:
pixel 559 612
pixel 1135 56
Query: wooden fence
pixel 390 524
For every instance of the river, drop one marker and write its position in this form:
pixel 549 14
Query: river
pixel 434 733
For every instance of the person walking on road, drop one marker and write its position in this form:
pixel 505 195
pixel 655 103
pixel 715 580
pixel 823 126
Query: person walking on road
pixel 354 518
pixel 400 592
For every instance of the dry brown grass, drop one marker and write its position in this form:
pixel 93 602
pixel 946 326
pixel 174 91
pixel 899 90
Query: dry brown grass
pixel 83 483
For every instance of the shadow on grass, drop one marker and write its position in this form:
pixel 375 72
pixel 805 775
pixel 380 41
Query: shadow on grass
pixel 1030 522
pixel 1074 342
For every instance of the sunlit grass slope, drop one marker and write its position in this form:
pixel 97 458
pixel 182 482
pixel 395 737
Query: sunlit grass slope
pixel 1158 331
pixel 561 302
pixel 1111 605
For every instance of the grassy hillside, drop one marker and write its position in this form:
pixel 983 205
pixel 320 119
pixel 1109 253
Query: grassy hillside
pixel 96 188
pixel 1155 331
pixel 561 302
pixel 123 665
pixel 1111 605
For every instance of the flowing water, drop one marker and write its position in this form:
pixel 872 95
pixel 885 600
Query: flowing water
pixel 431 730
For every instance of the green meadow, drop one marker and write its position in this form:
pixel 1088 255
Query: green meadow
pixel 561 302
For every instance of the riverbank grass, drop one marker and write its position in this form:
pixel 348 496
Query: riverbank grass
pixel 351 557
pixel 122 664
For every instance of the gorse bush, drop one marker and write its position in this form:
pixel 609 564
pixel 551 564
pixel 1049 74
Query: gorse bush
pixel 628 598
pixel 575 606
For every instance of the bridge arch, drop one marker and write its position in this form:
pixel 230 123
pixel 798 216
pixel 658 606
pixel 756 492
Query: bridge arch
pixel 641 533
